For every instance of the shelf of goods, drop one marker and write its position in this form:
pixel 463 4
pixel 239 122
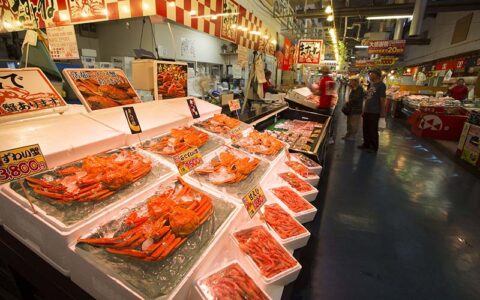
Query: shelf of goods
pixel 305 132
pixel 114 215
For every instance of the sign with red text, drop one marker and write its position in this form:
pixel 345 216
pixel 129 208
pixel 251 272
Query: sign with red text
pixel 188 160
pixel 254 200
pixel 309 51
pixel 21 162
pixel 62 42
pixel 386 47
pixel 234 104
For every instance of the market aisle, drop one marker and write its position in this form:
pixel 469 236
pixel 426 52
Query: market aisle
pixel 402 224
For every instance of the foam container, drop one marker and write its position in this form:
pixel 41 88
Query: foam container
pixel 282 278
pixel 309 196
pixel 317 170
pixel 304 216
pixel 104 286
pixel 198 291
pixel 313 180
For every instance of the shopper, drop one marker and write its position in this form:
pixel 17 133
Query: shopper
pixel 373 109
pixel 268 87
pixel 354 108
pixel 326 89
pixel 459 91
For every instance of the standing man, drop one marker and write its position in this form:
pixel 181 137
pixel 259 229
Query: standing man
pixel 373 109
pixel 326 89
pixel 459 91
pixel 355 103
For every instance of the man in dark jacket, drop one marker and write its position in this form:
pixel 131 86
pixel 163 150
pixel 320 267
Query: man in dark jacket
pixel 355 103
pixel 373 109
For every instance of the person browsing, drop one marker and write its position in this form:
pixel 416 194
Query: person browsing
pixel 354 105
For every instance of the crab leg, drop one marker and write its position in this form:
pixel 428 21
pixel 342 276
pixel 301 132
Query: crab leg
pixel 165 244
pixel 170 247
pixel 43 183
pixel 129 252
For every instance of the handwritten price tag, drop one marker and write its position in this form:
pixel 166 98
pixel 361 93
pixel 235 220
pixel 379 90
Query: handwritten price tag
pixel 234 104
pixel 21 162
pixel 188 160
pixel 236 134
pixel 254 200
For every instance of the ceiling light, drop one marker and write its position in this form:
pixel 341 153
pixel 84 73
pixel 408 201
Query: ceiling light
pixel 390 17
pixel 254 32
pixel 171 4
pixel 328 9
pixel 145 6
pixel 193 12
pixel 214 17
pixel 361 47
pixel 330 18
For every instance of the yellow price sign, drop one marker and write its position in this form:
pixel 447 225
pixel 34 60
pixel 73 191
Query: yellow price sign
pixel 236 134
pixel 234 104
pixel 254 200
pixel 21 162
pixel 188 160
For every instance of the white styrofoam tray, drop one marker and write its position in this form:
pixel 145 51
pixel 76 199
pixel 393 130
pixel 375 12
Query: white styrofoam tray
pixel 309 196
pixel 101 285
pixel 313 180
pixel 201 295
pixel 46 234
pixel 283 278
pixel 304 216
pixel 316 169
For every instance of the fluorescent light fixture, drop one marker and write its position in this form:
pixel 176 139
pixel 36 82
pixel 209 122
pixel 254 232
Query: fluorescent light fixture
pixel 390 17
pixel 214 17
pixel 330 18
pixel 361 47
pixel 193 12
pixel 328 9
pixel 352 57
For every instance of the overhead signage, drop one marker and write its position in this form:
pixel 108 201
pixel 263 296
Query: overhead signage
pixel 132 119
pixel 364 63
pixel 254 200
pixel 386 61
pixel 228 29
pixel 21 162
pixel 188 160
pixel 101 88
pixel 27 92
pixel 62 42
pixel 309 51
pixel 386 47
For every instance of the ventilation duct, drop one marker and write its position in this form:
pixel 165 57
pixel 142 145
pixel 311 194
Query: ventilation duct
pixel 417 19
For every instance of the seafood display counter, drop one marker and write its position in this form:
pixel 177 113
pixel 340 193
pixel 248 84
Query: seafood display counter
pixel 114 214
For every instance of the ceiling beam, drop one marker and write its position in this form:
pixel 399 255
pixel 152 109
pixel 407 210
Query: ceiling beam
pixel 395 9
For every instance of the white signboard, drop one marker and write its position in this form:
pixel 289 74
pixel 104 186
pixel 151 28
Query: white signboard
pixel 62 42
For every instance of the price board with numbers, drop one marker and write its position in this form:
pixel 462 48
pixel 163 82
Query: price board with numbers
pixel 188 160
pixel 234 105
pixel 236 134
pixel 21 162
pixel 254 200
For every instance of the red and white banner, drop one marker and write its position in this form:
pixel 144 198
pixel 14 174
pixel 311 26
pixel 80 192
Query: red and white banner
pixel 386 47
pixel 309 51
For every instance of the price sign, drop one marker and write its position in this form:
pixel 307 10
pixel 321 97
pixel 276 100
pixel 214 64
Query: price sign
pixel 21 162
pixel 234 104
pixel 132 119
pixel 193 108
pixel 254 200
pixel 236 134
pixel 188 160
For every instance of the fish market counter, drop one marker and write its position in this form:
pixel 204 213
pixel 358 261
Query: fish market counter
pixel 113 217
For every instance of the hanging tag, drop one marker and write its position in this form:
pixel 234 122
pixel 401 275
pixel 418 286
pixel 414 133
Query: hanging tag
pixel 234 105
pixel 193 108
pixel 235 134
pixel 188 160
pixel 254 200
pixel 132 119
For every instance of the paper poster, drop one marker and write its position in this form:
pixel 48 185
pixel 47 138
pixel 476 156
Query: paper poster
pixel 187 47
pixel 242 56
pixel 25 91
pixel 309 51
pixel 171 80
pixel 101 88
pixel 87 11
pixel 237 72
pixel 288 53
pixel 230 18
pixel 62 42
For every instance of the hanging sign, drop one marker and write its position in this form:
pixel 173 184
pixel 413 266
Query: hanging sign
pixel 309 51
pixel 254 200
pixel 132 119
pixel 386 61
pixel 364 63
pixel 288 54
pixel 101 88
pixel 62 42
pixel 234 105
pixel 21 162
pixel 188 160
pixel 27 91
pixel 193 108
pixel 230 19
pixel 386 47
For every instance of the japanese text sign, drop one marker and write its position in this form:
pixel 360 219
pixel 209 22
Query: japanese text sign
pixel 132 119
pixel 234 104
pixel 309 51
pixel 62 42
pixel 188 160
pixel 230 20
pixel 26 91
pixel 21 162
pixel 254 200
pixel 386 47
pixel 101 88
pixel 193 108
pixel 236 133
